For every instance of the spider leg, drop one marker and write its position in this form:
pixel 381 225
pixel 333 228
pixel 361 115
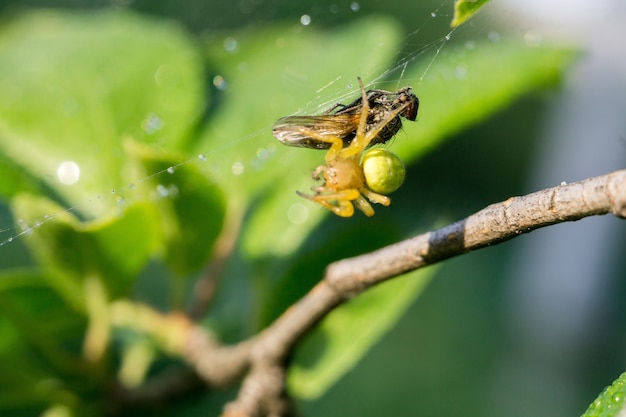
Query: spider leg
pixel 347 195
pixel 362 139
pixel 372 133
pixel 362 204
pixel 319 171
pixel 343 200
pixel 336 143
pixel 375 197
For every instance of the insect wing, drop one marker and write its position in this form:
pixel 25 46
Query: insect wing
pixel 295 130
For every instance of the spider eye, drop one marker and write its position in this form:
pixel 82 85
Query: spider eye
pixel 383 170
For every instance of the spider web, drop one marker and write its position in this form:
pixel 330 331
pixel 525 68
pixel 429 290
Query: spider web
pixel 422 43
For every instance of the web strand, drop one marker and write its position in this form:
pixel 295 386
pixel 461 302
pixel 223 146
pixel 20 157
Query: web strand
pixel 325 97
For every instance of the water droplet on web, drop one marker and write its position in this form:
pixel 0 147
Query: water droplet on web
pixel 202 157
pixel 448 36
pixel 162 190
pixel 169 191
pixel 113 191
pixel 532 39
pixel 433 14
pixel 305 20
pixel 25 228
pixel 131 186
pixel 238 168
pixel 262 153
pixel 219 82
pixel 68 172
pixel 355 6
pixel 140 180
pixel 297 213
pixel 151 124
pixel 170 170
pixel 9 240
pixel 493 36
pixel 231 45
pixel 461 71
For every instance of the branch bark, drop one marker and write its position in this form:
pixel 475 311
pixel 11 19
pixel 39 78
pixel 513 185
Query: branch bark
pixel 264 356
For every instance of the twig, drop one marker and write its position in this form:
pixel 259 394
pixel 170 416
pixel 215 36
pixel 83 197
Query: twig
pixel 263 389
pixel 263 358
pixel 494 224
pixel 205 288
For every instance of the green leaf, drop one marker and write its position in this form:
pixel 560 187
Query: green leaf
pixel 610 403
pixel 82 86
pixel 349 331
pixel 41 341
pixel 290 66
pixel 468 83
pixel 114 249
pixel 288 69
pixel 32 311
pixel 464 9
pixel 191 208
pixel 71 96
pixel 460 88
pixel 80 82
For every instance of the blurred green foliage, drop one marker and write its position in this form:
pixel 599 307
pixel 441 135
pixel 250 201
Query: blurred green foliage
pixel 171 131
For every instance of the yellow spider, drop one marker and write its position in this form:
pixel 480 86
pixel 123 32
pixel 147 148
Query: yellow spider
pixel 351 178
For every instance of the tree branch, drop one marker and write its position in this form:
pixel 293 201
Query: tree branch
pixel 263 389
pixel 263 358
pixel 494 224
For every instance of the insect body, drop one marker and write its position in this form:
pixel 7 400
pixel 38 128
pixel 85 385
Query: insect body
pixel 343 120
pixel 347 131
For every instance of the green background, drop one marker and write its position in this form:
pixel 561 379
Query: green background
pixel 474 143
